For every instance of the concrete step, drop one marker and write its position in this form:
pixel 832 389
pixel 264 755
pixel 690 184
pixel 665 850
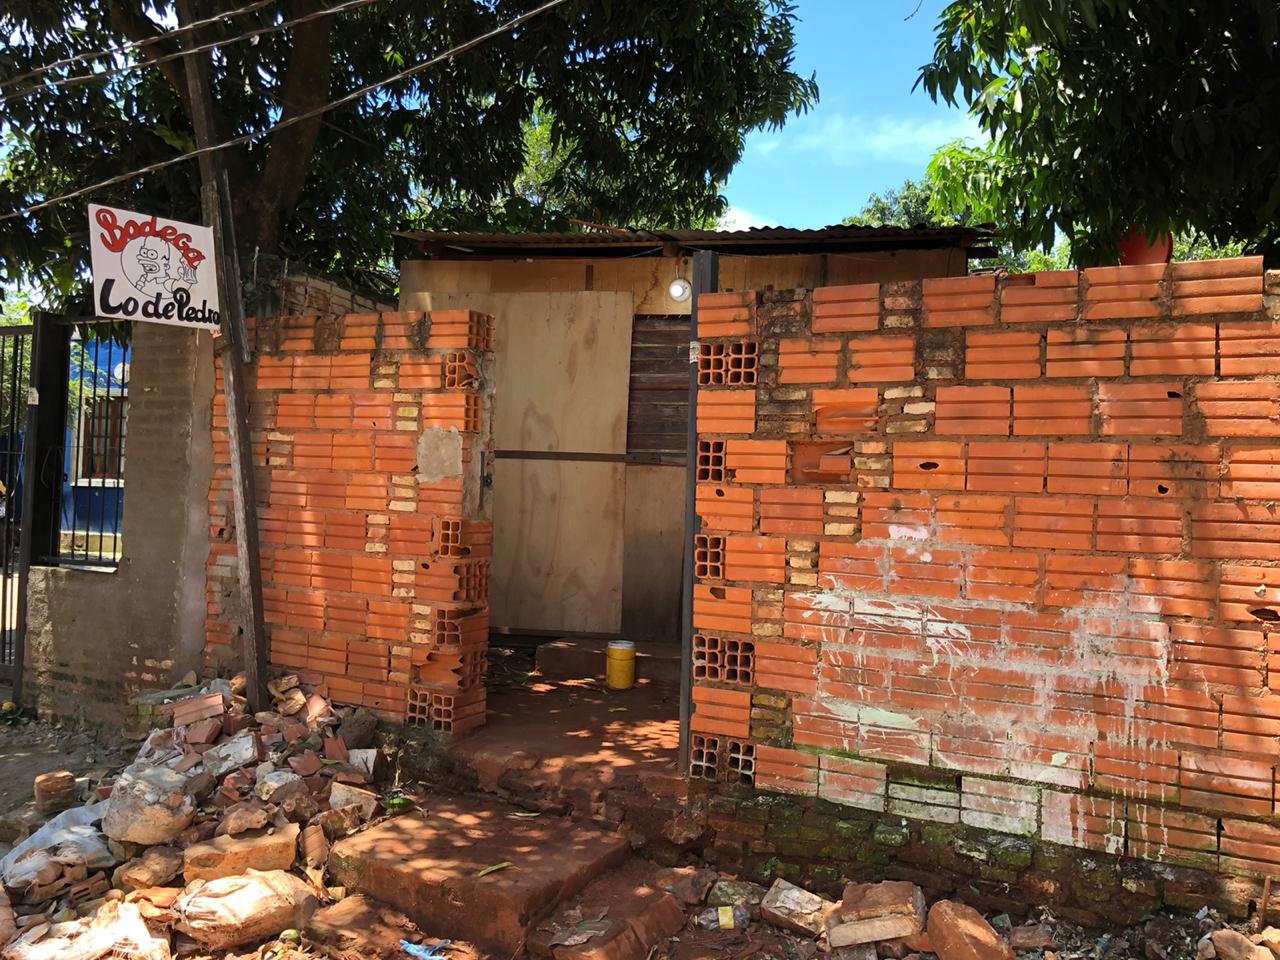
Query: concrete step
pixel 624 911
pixel 425 864
pixel 575 658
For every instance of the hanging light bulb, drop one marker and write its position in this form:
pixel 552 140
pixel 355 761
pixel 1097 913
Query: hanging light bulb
pixel 680 290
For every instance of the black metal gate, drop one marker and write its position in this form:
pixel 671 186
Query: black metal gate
pixel 15 383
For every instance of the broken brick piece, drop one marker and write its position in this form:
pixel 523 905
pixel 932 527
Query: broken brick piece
pixel 306 764
pixel 335 749
pixel 959 932
pixel 871 912
pixel 205 731
pixel 55 790
pixel 228 856
pixel 314 844
pixel 187 712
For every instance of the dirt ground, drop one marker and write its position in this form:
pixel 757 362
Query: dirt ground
pixel 28 751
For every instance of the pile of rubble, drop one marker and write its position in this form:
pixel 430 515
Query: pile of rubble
pixel 887 919
pixel 890 921
pixel 215 836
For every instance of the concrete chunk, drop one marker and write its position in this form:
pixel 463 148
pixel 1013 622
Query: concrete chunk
pixel 345 795
pixel 228 856
pixel 148 805
pixel 794 908
pixel 155 868
pixel 231 911
pixel 240 751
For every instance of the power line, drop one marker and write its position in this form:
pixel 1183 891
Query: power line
pixel 82 78
pixel 310 114
pixel 126 47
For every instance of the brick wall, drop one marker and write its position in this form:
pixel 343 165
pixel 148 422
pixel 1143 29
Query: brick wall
pixel 1000 554
pixel 371 434
pixel 96 638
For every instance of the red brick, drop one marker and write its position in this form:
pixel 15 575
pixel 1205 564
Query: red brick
pixel 959 301
pixel 1240 408
pixel 756 559
pixel 928 465
pixel 847 411
pixel 973 411
pixel 1085 352
pixel 1002 355
pixel 1039 297
pixel 1006 467
pixel 1141 409
pixel 881 359
pixel 977 520
pixel 808 361
pixel 1249 348
pixel 1099 469
pixel 726 411
pixel 1052 411
pixel 1173 349
pixel 846 309
pixel 1140 526
pixel 1053 523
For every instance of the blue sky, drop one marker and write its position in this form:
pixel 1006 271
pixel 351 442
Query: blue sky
pixel 869 131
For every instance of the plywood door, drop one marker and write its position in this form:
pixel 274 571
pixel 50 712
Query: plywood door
pixel 561 371
pixel 558 538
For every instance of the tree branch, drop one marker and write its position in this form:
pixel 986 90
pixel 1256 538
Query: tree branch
pixel 306 87
pixel 139 29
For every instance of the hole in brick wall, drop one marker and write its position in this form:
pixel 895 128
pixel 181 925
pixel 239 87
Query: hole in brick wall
pixel 711 460
pixel 704 755
pixel 1162 488
pixel 718 593
pixel 1265 614
pixel 708 657
pixel 719 492
pixel 929 465
pixel 741 762
pixel 1175 394
pixel 708 557
pixel 739 661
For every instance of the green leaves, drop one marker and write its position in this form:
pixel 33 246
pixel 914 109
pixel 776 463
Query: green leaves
pixel 1107 115
pixel 626 113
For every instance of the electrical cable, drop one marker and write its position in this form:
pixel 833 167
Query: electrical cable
pixel 83 78
pixel 310 114
pixel 126 47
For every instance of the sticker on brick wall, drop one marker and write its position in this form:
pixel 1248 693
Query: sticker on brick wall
pixel 154 270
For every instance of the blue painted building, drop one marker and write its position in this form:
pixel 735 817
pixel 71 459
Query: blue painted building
pixel 93 457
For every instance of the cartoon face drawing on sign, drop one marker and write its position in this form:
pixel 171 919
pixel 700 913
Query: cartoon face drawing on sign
pixel 146 268
pixel 151 266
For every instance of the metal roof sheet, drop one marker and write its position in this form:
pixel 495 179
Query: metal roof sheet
pixel 755 238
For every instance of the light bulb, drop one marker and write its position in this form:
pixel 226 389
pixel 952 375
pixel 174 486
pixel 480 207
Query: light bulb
pixel 679 290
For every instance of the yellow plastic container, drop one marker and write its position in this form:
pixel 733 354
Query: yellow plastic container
pixel 620 667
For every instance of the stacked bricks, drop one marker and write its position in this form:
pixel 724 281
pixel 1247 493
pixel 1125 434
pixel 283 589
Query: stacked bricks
pixel 1001 553
pixel 370 434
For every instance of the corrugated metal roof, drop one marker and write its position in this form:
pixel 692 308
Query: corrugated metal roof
pixel 755 239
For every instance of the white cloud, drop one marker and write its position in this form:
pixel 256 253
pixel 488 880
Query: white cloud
pixel 851 140
pixel 735 218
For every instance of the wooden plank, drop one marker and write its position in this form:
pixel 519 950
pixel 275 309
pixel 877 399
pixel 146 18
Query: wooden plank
pixel 215 206
pixel 557 546
pixel 561 367
pixel 652 531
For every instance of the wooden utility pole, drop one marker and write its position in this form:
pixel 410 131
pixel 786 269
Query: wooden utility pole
pixel 215 202
pixel 706 279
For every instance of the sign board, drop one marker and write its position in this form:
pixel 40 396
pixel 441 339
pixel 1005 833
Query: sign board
pixel 153 270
